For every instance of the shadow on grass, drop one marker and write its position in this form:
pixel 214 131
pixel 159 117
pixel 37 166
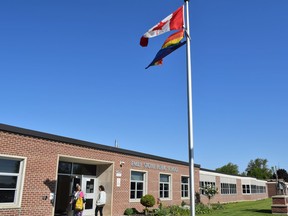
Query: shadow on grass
pixel 264 211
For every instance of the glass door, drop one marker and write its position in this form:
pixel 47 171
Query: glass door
pixel 89 187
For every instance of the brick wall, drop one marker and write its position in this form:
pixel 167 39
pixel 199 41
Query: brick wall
pixel 41 173
pixel 42 155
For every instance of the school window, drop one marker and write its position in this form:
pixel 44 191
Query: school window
pixel 262 189
pixel 204 184
pixel 164 186
pixel 184 187
pixel 246 189
pixel 227 188
pixel 233 189
pixel 10 181
pixel 76 168
pixel 137 185
pixel 258 189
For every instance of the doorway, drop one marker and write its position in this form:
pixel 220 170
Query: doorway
pixel 89 174
pixel 70 174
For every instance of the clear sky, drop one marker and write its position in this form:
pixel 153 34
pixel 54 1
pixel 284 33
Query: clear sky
pixel 75 69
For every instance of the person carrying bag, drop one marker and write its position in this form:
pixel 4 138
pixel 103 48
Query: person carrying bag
pixel 78 201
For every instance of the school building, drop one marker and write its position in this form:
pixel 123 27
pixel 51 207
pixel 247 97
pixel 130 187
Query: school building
pixel 38 172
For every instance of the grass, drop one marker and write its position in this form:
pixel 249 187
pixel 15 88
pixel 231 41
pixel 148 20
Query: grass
pixel 250 208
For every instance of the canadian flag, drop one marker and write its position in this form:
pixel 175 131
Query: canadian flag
pixel 172 22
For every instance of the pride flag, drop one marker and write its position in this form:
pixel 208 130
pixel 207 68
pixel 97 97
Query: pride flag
pixel 172 43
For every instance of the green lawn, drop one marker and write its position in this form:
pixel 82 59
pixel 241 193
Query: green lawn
pixel 250 208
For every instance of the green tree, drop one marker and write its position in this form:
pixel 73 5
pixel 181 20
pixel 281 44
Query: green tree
pixel 282 174
pixel 229 168
pixel 210 191
pixel 258 168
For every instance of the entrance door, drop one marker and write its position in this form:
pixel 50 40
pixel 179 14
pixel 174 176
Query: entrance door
pixel 89 187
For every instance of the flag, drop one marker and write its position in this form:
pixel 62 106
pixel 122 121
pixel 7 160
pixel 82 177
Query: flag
pixel 172 43
pixel 172 22
pixel 163 53
pixel 173 39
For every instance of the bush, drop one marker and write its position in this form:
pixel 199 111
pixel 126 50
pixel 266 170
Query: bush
pixel 161 212
pixel 148 200
pixel 178 211
pixel 129 211
pixel 172 210
pixel 202 209
pixel 197 198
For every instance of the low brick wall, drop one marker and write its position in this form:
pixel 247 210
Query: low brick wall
pixel 280 204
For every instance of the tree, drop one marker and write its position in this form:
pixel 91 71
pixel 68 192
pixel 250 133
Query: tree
pixel 282 174
pixel 210 191
pixel 229 168
pixel 258 168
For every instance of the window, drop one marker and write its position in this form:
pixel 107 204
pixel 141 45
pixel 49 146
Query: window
pixel 246 189
pixel 233 189
pixel 184 187
pixel 262 189
pixel 76 168
pixel 164 186
pixel 10 181
pixel 258 189
pixel 227 188
pixel 137 185
pixel 204 184
pixel 253 189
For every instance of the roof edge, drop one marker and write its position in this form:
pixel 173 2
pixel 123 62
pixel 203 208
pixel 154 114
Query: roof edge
pixel 52 137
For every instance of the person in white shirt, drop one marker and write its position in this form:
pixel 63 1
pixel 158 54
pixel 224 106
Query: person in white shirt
pixel 101 201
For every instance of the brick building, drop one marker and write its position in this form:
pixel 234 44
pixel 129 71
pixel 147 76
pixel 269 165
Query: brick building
pixel 38 172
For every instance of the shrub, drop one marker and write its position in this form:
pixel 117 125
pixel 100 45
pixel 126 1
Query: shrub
pixel 129 211
pixel 178 211
pixel 197 198
pixel 148 201
pixel 161 212
pixel 202 209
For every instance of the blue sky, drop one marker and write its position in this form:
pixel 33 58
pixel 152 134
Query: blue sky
pixel 75 69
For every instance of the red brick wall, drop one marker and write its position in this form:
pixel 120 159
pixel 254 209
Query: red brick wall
pixel 41 173
pixel 272 188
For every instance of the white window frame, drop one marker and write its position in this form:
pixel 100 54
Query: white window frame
pixel 246 189
pixel 145 177
pixel 183 185
pixel 228 188
pixel 169 186
pixel 258 189
pixel 20 181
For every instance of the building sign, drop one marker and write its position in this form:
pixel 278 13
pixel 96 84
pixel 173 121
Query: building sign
pixel 118 173
pixel 154 166
pixel 118 182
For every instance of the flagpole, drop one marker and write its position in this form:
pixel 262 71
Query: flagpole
pixel 190 114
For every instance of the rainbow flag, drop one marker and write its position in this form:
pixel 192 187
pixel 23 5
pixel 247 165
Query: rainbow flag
pixel 172 43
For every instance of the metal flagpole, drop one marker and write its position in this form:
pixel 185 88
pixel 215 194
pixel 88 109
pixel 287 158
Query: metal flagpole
pixel 190 117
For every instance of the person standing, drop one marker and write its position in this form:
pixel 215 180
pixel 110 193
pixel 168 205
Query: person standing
pixel 101 201
pixel 78 201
